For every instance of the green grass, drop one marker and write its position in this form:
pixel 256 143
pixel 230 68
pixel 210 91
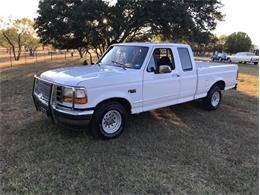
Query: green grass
pixel 182 149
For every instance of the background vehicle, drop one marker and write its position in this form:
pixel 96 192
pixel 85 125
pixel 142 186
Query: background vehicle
pixel 130 78
pixel 244 57
pixel 219 57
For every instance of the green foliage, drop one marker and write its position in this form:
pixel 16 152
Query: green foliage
pixel 77 24
pixel 11 33
pixel 18 33
pixel 31 43
pixel 238 42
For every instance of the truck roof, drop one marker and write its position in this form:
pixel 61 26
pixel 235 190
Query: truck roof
pixel 150 44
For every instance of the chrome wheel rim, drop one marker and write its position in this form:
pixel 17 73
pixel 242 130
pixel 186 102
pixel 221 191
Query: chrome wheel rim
pixel 111 121
pixel 215 99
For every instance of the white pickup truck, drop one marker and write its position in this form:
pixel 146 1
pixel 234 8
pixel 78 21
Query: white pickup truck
pixel 129 78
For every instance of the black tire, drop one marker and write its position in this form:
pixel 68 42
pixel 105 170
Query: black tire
pixel 207 101
pixel 103 109
pixel 255 63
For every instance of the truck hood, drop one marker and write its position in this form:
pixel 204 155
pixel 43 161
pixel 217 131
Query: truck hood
pixel 92 75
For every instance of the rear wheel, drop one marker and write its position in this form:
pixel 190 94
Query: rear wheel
pixel 213 99
pixel 108 120
pixel 255 63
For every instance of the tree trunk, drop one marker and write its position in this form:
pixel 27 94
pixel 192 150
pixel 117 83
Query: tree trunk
pixel 103 48
pixel 100 50
pixel 14 54
pixel 90 57
pixel 19 47
pixel 80 52
pixel 18 54
pixel 11 44
pixel 96 51
pixel 31 52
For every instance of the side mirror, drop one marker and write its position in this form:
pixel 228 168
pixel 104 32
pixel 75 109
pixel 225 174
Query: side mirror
pixel 164 69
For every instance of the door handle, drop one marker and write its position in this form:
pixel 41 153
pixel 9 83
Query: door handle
pixel 175 75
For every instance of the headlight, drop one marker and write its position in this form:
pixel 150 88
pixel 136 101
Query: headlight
pixel 79 96
pixel 68 92
pixel 80 93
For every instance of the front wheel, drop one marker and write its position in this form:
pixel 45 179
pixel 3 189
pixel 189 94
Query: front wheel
pixel 213 99
pixel 108 120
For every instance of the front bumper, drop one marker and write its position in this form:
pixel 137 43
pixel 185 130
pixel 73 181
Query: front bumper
pixel 67 116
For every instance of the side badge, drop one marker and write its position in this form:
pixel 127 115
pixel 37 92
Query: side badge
pixel 132 91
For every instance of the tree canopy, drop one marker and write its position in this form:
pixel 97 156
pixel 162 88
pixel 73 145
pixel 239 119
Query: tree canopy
pixel 18 33
pixel 237 42
pixel 85 24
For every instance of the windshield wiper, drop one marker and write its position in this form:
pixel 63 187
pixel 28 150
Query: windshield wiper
pixel 121 64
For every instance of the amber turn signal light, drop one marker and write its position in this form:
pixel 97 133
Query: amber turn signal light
pixel 76 100
pixel 80 100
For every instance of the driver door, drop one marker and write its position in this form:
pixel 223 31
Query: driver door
pixel 160 89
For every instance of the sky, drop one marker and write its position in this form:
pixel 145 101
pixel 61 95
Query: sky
pixel 241 15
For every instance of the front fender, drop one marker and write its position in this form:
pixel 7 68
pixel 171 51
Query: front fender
pixel 109 95
pixel 98 95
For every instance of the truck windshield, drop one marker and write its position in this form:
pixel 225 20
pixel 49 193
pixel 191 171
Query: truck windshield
pixel 125 56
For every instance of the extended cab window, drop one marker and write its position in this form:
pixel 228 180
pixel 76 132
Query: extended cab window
pixel 161 56
pixel 185 59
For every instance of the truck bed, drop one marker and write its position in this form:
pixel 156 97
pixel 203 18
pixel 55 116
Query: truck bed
pixel 201 64
pixel 209 73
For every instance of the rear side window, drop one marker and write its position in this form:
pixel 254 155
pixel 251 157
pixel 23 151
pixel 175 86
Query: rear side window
pixel 185 59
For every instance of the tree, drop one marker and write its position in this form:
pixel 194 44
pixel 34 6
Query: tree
pixel 219 45
pixel 184 20
pixel 31 43
pixel 16 34
pixel 85 25
pixel 67 24
pixel 12 38
pixel 237 42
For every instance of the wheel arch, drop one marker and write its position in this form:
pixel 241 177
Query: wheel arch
pixel 220 83
pixel 123 101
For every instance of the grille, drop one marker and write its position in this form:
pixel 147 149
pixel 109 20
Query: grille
pixel 43 89
pixel 59 93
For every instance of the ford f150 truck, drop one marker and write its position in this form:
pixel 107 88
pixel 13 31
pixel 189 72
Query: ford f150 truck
pixel 129 78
